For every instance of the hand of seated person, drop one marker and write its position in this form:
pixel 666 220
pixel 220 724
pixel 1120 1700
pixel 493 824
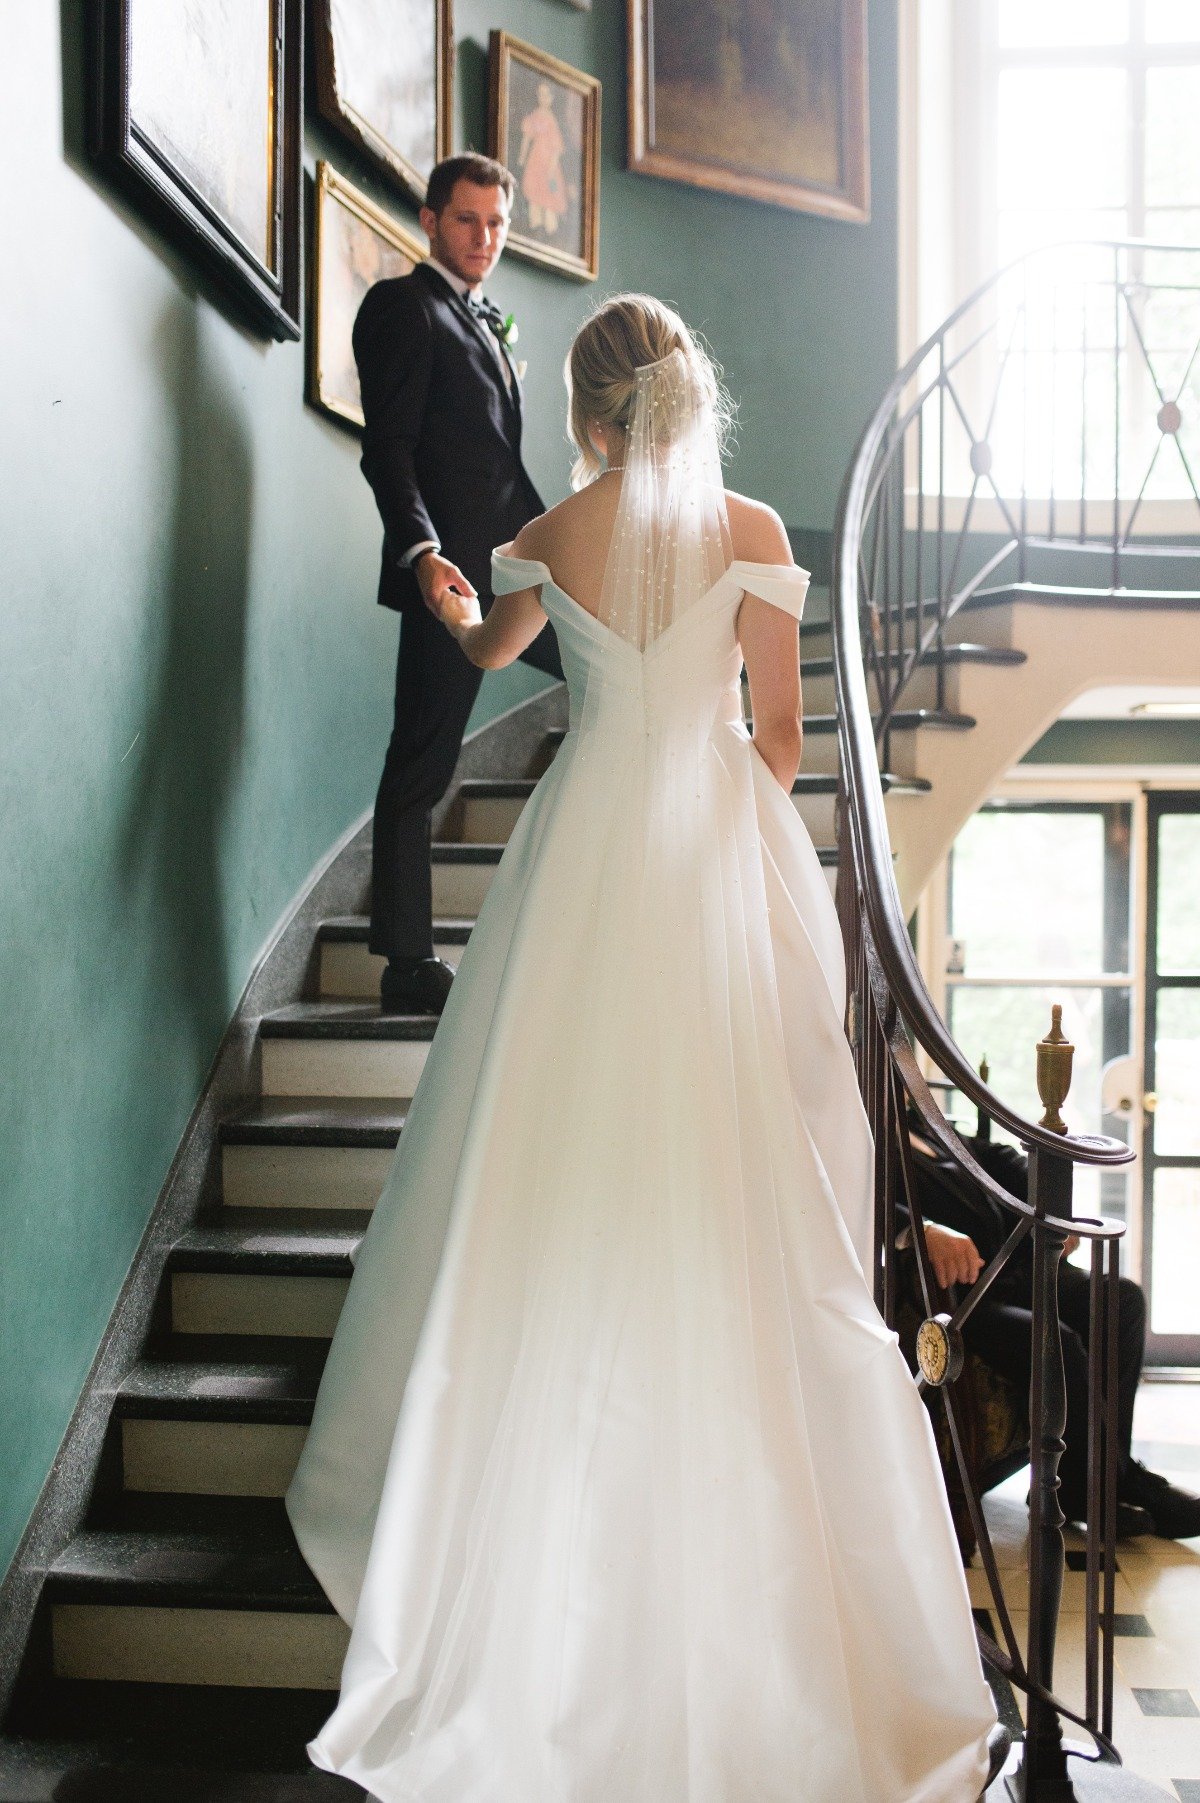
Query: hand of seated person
pixel 954 1256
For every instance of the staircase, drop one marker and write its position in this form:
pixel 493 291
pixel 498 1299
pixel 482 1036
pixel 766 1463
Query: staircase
pixel 180 1647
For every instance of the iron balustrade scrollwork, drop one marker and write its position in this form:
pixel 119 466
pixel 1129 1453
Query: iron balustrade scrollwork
pixel 902 568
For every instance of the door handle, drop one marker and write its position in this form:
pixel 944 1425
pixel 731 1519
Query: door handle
pixel 1149 1102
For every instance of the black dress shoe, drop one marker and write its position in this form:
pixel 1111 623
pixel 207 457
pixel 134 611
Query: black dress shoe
pixel 1174 1514
pixel 415 986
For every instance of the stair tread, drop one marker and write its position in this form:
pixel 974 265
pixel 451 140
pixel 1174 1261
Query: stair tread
pixel 964 653
pixel 101 1742
pixel 903 720
pixel 460 851
pixel 821 783
pixel 492 788
pixel 225 1377
pixel 446 930
pixel 282 1240
pixel 318 1120
pixel 204 1566
pixel 344 1020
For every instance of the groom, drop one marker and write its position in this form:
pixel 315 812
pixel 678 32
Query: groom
pixel 442 452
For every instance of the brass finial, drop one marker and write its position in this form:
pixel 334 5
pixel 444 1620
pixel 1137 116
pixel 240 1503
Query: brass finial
pixel 984 1068
pixel 1054 1056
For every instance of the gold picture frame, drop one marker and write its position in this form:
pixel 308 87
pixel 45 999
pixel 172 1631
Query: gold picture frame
pixel 774 111
pixel 544 124
pixel 366 86
pixel 355 244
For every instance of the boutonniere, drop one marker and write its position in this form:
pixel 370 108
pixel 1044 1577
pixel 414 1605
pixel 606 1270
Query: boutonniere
pixel 508 332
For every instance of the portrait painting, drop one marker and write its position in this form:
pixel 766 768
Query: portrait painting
pixel 385 75
pixel 196 110
pixel 545 125
pixel 355 245
pixel 760 98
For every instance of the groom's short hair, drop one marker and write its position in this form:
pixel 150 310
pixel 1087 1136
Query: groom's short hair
pixel 485 172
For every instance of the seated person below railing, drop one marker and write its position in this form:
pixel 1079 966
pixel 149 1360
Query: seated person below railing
pixel 964 1229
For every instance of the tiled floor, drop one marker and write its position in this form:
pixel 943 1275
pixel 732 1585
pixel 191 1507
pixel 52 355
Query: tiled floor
pixel 1156 1716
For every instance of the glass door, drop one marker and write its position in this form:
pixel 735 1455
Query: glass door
pixel 1171 1143
pixel 1039 911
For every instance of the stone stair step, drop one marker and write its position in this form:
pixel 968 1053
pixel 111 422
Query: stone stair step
pixel 333 1152
pixel 219 1377
pixel 342 961
pixel 112 1742
pixel 211 1457
pixel 265 1241
pixel 965 652
pixel 197 1594
pixel 328 1122
pixel 462 875
pixel 264 1271
pixel 341 1049
pixel 217 1561
pixel 101 1772
pixel 489 808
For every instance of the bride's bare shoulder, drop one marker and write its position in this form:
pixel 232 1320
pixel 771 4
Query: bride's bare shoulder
pixel 548 533
pixel 758 533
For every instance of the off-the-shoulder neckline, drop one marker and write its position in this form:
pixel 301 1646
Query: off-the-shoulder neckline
pixel 780 572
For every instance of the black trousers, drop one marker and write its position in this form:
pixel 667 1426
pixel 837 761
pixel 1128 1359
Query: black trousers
pixel 436 686
pixel 1000 1332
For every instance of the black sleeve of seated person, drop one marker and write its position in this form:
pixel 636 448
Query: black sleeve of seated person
pixel 947 1195
pixel 393 347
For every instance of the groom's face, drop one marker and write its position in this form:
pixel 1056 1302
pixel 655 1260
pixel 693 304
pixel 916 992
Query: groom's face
pixel 469 232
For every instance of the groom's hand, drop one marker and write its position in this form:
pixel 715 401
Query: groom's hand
pixel 438 579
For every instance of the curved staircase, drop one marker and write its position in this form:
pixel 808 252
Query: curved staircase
pixel 177 1645
pixel 180 1646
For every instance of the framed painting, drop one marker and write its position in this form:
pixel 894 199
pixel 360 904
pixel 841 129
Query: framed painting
pixel 766 100
pixel 355 245
pixel 385 77
pixel 195 112
pixel 545 125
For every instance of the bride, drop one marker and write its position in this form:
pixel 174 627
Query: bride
pixel 615 1469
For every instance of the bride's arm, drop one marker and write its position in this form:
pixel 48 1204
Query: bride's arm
pixel 771 647
pixel 514 619
pixel 513 622
pixel 770 644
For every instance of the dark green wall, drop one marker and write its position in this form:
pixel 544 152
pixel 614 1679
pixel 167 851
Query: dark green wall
pixel 194 681
pixel 801 311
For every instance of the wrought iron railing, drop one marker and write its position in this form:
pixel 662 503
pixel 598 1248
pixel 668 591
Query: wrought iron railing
pixel 1048 419
pixel 910 549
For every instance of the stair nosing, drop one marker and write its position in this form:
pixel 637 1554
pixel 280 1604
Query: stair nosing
pixel 344 1020
pixel 68 1579
pixel 267 1123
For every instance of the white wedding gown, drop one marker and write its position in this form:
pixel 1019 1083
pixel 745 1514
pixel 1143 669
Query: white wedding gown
pixel 615 1469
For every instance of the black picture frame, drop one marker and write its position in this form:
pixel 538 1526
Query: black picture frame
pixel 367 126
pixel 265 287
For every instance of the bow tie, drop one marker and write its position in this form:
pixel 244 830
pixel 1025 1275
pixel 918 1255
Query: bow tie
pixel 488 312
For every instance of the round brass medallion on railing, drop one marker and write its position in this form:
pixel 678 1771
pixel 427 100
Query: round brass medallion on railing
pixel 939 1351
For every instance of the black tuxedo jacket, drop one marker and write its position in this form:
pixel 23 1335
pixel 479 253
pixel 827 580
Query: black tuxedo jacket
pixel 442 445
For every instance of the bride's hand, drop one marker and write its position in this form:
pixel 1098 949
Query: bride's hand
pixel 459 613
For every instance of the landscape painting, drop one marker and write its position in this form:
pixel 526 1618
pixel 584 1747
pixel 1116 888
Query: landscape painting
pixel 761 98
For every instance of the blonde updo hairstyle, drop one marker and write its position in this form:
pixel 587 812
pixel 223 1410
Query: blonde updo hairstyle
pixel 623 335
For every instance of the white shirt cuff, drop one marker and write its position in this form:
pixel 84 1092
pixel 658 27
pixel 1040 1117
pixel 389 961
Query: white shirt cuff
pixel 410 556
